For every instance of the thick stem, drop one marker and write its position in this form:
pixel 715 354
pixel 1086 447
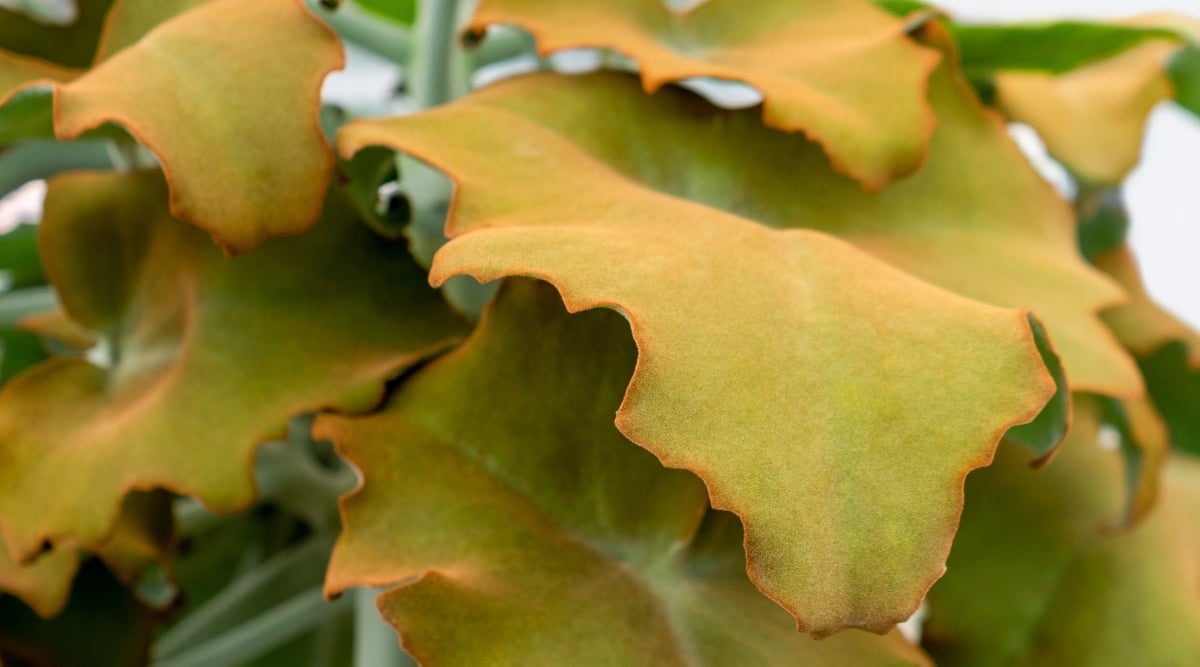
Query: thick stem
pixel 353 23
pixel 433 69
pixel 264 632
pixel 221 613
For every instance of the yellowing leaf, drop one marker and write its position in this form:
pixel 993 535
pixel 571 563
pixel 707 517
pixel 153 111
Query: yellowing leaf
pixel 1092 119
pixel 206 356
pixel 184 89
pixel 1037 577
pixel 831 401
pixel 822 65
pixel 43 584
pixel 530 532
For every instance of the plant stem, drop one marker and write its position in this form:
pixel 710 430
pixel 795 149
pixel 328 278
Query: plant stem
pixel 262 633
pixel 19 303
pixel 390 40
pixel 436 54
pixel 375 642
pixel 221 611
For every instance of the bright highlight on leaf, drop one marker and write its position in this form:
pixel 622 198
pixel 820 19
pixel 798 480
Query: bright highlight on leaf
pixel 207 356
pixel 270 147
pixel 795 374
pixel 822 66
pixel 537 534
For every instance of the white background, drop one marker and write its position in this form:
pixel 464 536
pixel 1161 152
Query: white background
pixel 1164 192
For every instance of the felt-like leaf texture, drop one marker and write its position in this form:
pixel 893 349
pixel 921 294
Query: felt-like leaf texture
pixel 994 232
pixel 1037 576
pixel 264 118
pixel 822 66
pixel 523 529
pixel 796 374
pixel 143 537
pixel 1092 119
pixel 1167 349
pixel 208 355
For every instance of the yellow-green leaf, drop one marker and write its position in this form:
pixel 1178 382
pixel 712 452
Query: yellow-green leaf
pixel 536 533
pixel 183 89
pixel 822 66
pixel 796 374
pixel 1038 577
pixel 206 356
pixel 1167 349
pixel 1092 119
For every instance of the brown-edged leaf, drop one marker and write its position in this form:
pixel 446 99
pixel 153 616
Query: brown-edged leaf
pixel 1038 577
pixel 1092 119
pixel 185 91
pixel 833 402
pixel 207 356
pixel 536 533
pixel 822 66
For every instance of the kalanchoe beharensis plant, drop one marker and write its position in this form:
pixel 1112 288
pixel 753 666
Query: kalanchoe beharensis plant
pixel 715 403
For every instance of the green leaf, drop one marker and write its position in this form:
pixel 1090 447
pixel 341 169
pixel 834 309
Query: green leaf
pixel 1037 576
pixel 317 321
pixel 821 65
pixel 27 114
pixel 73 45
pixel 1053 48
pixel 398 11
pixel 772 357
pixel 1043 434
pixel 19 259
pixel 1167 350
pixel 506 521
pixel 1184 70
pixel 104 625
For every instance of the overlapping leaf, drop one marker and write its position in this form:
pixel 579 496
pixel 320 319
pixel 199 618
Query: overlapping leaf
pixel 795 374
pixel 71 46
pixel 821 65
pixel 1167 350
pixel 269 147
pixel 142 538
pixel 207 355
pixel 1037 577
pixel 1093 119
pixel 537 534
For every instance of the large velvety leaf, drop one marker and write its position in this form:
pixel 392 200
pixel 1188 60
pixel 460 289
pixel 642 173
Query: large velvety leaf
pixel 797 375
pixel 262 119
pixel 1037 577
pixel 1167 350
pixel 1184 70
pixel 821 65
pixel 995 232
pixel 1092 119
pixel 44 584
pixel 537 534
pixel 208 355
